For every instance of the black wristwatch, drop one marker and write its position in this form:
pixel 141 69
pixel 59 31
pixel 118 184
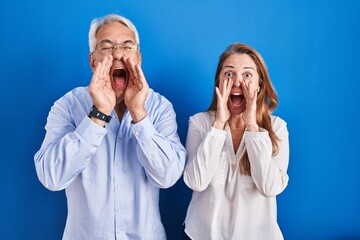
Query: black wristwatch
pixel 94 112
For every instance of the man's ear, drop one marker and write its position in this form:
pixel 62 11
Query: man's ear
pixel 140 57
pixel 92 61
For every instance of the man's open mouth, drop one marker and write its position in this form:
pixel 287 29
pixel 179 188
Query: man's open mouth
pixel 119 77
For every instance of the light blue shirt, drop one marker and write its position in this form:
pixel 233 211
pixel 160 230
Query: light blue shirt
pixel 111 175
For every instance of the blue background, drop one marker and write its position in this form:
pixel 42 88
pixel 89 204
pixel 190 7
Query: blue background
pixel 312 52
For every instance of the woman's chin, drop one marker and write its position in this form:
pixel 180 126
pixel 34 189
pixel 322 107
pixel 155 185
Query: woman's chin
pixel 236 110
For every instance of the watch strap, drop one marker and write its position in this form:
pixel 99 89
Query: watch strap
pixel 94 112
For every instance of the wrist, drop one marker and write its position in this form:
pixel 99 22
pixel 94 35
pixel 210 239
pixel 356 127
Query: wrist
pixel 219 125
pixel 252 128
pixel 137 116
pixel 98 116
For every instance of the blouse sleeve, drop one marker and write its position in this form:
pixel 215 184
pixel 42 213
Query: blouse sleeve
pixel 204 146
pixel 267 171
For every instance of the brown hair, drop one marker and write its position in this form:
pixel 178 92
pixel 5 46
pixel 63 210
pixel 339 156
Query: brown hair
pixel 266 98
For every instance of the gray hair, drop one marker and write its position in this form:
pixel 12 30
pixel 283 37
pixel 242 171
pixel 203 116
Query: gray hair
pixel 97 23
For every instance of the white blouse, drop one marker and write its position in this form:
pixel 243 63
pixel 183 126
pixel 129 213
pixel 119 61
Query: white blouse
pixel 224 203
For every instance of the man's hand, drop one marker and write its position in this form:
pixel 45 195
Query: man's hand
pixel 136 91
pixel 100 88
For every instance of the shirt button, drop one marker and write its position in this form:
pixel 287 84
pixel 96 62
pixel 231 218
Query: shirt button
pixel 118 231
pixel 137 133
pixel 118 210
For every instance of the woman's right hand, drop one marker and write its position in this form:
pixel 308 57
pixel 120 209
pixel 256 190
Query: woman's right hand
pixel 222 114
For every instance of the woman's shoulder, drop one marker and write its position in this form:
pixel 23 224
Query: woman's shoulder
pixel 203 118
pixel 278 123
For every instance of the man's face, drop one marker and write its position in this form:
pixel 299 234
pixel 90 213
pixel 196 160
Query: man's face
pixel 120 35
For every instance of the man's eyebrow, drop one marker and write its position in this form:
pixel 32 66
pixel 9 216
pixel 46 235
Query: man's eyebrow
pixel 129 41
pixel 109 41
pixel 106 40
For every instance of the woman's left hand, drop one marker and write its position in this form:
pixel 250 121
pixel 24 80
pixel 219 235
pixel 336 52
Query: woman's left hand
pixel 250 91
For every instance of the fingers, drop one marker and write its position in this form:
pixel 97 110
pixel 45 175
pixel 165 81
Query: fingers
pixel 250 92
pixel 226 87
pixel 105 67
pixel 102 69
pixel 131 67
pixel 96 73
pixel 218 94
pixel 136 72
pixel 229 86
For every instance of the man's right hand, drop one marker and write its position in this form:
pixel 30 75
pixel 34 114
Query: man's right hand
pixel 100 88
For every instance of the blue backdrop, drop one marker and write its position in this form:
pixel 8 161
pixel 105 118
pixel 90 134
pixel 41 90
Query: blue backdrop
pixel 312 51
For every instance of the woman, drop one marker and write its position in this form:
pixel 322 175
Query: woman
pixel 238 154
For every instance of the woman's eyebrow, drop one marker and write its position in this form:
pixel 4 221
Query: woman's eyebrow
pixel 249 68
pixel 229 66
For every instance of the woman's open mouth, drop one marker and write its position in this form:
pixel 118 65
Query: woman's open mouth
pixel 236 99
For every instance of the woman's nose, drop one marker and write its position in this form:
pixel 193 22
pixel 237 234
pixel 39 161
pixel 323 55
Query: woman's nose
pixel 237 82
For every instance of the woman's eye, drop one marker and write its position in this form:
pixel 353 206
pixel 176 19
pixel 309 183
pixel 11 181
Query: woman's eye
pixel 228 74
pixel 247 75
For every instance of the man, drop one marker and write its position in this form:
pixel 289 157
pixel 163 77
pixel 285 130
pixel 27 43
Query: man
pixel 112 145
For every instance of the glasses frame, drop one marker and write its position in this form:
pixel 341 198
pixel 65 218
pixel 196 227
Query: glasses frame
pixel 117 46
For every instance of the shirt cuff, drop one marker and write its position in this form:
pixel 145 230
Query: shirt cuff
pixel 143 128
pixel 90 131
pixel 257 135
pixel 217 132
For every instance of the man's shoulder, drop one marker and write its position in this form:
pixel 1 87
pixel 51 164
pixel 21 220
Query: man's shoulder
pixel 78 95
pixel 78 92
pixel 157 98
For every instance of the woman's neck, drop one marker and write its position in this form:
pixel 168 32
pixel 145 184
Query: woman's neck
pixel 236 122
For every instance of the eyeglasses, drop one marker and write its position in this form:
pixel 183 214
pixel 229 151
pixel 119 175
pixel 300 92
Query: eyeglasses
pixel 108 47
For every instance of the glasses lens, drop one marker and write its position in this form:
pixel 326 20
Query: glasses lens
pixel 106 47
pixel 129 47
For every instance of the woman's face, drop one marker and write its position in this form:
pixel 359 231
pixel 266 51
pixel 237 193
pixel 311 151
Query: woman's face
pixel 239 67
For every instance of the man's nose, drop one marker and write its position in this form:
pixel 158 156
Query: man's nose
pixel 118 53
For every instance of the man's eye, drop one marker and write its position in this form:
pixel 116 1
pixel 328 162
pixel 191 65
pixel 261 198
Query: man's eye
pixel 128 48
pixel 228 74
pixel 109 48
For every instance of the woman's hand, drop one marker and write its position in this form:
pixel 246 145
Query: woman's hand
pixel 249 115
pixel 222 114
